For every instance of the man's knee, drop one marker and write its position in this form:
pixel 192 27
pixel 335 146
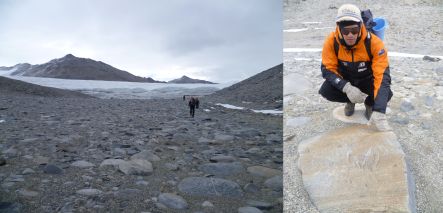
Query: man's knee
pixel 331 93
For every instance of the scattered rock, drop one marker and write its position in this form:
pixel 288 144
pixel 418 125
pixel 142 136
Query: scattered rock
pixel 171 166
pixel 406 105
pixel 222 169
pixel 172 201
pixel 199 186
pixel 223 137
pixel 28 171
pixel 432 59
pixel 275 183
pixel 136 167
pixel 82 164
pixel 146 155
pixel 89 192
pixel 40 160
pixel 52 169
pixel 261 171
pixel 249 209
pixel 207 204
pixel 259 204
pixel 27 193
pixel 114 163
pixel 251 188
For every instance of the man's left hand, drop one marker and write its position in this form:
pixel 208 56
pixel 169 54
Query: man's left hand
pixel 379 121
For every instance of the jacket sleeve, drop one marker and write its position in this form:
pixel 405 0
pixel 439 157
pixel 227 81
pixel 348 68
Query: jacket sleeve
pixel 381 74
pixel 329 64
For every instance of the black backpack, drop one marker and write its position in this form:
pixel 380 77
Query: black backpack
pixel 366 15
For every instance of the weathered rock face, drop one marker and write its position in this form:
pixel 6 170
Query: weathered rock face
pixel 356 169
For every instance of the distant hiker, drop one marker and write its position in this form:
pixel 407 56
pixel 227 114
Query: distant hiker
pixel 192 106
pixel 355 66
pixel 184 97
pixel 197 103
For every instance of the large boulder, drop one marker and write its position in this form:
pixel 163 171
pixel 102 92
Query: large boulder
pixel 356 169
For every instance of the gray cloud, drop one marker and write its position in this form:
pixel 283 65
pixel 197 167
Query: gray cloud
pixel 215 40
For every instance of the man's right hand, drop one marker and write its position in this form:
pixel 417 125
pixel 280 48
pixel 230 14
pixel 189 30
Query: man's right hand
pixel 354 94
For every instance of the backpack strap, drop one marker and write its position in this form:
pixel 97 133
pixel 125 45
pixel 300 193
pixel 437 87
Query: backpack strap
pixel 368 45
pixel 336 47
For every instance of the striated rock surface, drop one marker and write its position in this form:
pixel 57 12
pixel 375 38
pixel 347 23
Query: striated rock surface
pixel 356 169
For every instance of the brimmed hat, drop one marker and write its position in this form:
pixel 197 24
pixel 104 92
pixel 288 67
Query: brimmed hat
pixel 348 12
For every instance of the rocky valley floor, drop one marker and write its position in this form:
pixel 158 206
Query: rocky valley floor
pixel 95 155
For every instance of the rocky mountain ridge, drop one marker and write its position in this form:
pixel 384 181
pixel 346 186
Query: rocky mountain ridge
pixel 187 80
pixel 71 67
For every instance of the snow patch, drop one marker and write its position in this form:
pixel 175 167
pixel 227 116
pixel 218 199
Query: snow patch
pixel 256 111
pixel 295 30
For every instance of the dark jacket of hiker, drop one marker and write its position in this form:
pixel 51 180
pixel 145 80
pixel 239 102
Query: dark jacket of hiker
pixel 192 106
pixel 358 65
pixel 197 103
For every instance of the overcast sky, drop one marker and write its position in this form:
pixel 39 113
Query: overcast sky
pixel 216 40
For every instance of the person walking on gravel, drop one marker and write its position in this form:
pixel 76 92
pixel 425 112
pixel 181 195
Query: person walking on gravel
pixel 191 105
pixel 356 69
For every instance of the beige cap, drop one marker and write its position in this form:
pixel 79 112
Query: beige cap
pixel 348 12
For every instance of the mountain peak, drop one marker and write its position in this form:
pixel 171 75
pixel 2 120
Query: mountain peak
pixel 187 80
pixel 69 56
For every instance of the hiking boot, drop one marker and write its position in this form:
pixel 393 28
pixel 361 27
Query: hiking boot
pixel 368 111
pixel 349 109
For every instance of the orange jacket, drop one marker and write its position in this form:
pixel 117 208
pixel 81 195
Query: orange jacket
pixel 355 65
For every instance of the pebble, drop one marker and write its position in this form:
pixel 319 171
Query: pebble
pixel 146 155
pixel 261 171
pixel 222 169
pixel 172 201
pixel 249 209
pixel 259 204
pixel 275 183
pixel 28 193
pixel 207 204
pixel 89 192
pixel 82 164
pixel 28 171
pixel 52 169
pixel 200 186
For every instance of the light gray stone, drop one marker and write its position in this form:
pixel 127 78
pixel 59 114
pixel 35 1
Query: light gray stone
pixel 146 155
pixel 200 186
pixel 136 167
pixel 89 192
pixel 259 204
pixel 172 201
pixel 249 209
pixel 82 164
pixel 27 193
pixel 275 183
pixel 222 169
pixel 261 171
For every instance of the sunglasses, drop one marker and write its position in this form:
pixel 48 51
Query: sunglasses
pixel 354 30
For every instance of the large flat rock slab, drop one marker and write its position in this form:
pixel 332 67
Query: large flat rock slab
pixel 356 169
